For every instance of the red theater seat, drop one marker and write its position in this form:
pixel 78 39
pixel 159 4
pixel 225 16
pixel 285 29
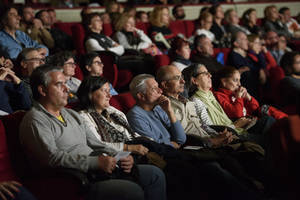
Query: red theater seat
pixel 78 34
pixel 123 102
pixel 178 26
pixel 59 184
pixel 108 30
pixel 161 60
pixel 65 26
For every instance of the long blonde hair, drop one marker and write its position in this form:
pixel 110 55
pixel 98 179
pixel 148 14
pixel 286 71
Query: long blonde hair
pixel 156 16
pixel 122 20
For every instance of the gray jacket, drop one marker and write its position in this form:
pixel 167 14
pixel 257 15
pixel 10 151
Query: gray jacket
pixel 49 142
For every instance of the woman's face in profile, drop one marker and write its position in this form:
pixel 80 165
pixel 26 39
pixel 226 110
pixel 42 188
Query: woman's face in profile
pixel 165 18
pixel 129 25
pixel 100 98
pixel 184 51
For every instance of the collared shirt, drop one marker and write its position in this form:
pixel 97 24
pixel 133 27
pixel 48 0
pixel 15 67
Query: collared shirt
pixel 14 46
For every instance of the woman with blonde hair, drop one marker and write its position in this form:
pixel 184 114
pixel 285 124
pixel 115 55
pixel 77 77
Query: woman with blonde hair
pixel 159 20
pixel 129 36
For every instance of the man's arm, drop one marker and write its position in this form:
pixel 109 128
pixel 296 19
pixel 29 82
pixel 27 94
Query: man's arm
pixel 39 143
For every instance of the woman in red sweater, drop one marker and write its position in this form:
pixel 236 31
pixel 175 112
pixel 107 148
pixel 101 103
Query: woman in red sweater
pixel 235 99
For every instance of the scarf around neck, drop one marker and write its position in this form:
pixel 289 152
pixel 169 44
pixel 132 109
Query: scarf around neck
pixel 214 109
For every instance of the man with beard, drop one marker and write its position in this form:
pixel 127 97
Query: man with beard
pixel 178 12
pixel 34 27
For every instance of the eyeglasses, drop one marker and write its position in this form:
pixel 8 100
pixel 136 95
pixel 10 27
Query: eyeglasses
pixel 35 60
pixel 97 63
pixel 71 64
pixel 204 73
pixel 176 78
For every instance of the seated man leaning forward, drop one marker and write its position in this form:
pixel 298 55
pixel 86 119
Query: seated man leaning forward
pixel 55 137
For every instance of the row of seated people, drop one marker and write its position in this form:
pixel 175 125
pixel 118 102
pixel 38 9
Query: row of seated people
pixel 150 117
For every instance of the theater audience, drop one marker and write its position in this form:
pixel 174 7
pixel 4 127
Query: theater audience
pixel 13 93
pixel 62 41
pixel 205 22
pixel 236 101
pixel 160 20
pixel 290 85
pixel 62 135
pixel 272 22
pixel 34 28
pixel 52 14
pixel 203 54
pixel 180 53
pixel 12 41
pixel 91 65
pixel 26 62
pixel 211 112
pixel 232 26
pixel 249 19
pixel 154 117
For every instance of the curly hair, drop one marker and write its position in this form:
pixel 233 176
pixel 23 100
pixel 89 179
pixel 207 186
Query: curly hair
pixel 156 16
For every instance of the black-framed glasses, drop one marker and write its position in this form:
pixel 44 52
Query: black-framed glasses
pixel 176 78
pixel 204 73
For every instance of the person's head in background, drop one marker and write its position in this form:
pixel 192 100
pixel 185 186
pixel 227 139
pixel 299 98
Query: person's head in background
pixel 65 60
pixel 160 16
pixel 84 12
pixel 217 12
pixel 204 9
pixel 10 19
pixel 231 17
pixel 240 41
pixel 271 13
pixel 27 14
pixel 285 14
pixel 271 39
pixel 205 20
pixel 28 60
pixel 180 48
pixel 91 64
pixel 126 22
pixel 203 45
pixel 93 23
pixel 254 43
pixel 52 15
pixel 249 17
pixel 112 7
pixel 178 12
pixel 142 16
pixel 290 62
pixel 131 10
pixel 44 16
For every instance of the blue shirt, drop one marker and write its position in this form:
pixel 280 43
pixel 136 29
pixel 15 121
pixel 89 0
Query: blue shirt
pixel 14 46
pixel 112 90
pixel 13 97
pixel 156 125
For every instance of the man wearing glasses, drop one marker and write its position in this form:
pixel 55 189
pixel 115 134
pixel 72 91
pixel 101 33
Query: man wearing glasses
pixel 27 61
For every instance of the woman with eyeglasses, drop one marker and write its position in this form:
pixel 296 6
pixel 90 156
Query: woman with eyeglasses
pixel 91 65
pixel 199 84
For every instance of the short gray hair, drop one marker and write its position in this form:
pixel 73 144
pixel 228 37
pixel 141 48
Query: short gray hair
pixel 138 84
